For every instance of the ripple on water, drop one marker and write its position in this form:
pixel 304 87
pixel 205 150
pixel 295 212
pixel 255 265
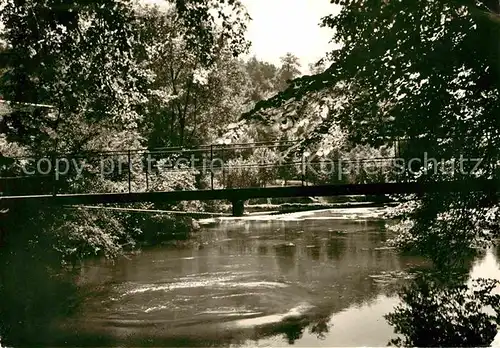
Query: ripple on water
pixel 214 284
pixel 297 312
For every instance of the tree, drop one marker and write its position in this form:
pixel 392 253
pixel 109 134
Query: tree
pixel 91 63
pixel 262 77
pixel 186 85
pixel 434 313
pixel 78 76
pixel 398 70
pixel 80 59
pixel 289 70
pixel 209 24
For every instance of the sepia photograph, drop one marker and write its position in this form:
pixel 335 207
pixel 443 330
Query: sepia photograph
pixel 249 173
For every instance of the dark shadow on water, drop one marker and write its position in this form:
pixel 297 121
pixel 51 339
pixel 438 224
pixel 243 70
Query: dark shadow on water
pixel 34 289
pixel 286 257
pixel 438 308
pixel 290 329
pixel 336 248
pixel 262 250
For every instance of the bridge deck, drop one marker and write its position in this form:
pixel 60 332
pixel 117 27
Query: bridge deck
pixel 241 194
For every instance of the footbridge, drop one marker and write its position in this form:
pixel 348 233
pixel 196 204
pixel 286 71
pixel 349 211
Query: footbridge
pixel 235 173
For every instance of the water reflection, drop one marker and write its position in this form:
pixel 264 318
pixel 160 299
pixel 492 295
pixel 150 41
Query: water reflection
pixel 33 289
pixel 285 256
pixel 450 307
pixel 335 248
pixel 434 314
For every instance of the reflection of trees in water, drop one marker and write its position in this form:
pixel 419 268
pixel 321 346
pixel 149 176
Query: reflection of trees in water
pixel 293 332
pixel 320 328
pixel 285 256
pixel 31 297
pixel 313 244
pixel 449 229
pixel 380 225
pixel 292 329
pixel 336 248
pixel 440 309
pixel 201 259
pixel 262 250
pixel 355 290
pixel 314 252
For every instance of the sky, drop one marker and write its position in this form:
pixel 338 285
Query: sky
pixel 282 26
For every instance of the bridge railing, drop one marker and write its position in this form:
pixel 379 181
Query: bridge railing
pixel 134 170
pixel 207 167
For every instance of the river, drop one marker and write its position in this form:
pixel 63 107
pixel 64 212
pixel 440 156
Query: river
pixel 311 279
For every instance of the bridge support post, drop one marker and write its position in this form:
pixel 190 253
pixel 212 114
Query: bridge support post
pixel 238 208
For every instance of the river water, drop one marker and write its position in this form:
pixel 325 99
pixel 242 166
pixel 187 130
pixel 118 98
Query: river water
pixel 307 279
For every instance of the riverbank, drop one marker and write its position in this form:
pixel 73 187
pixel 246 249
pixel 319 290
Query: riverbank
pixel 291 205
pixel 298 207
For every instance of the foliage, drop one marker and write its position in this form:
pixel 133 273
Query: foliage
pixel 264 80
pixel 209 24
pixel 289 70
pixel 262 76
pixel 449 230
pixel 85 233
pixel 433 314
pixel 194 84
pixel 240 173
pixel 81 60
pixel 407 70
pixel 95 66
pixel 107 75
